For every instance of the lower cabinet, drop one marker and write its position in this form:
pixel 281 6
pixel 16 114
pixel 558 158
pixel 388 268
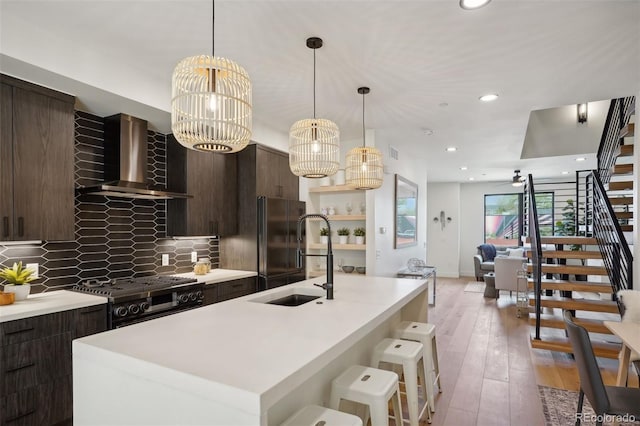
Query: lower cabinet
pixel 36 365
pixel 214 293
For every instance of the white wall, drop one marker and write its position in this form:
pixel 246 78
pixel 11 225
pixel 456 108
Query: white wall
pixel 443 243
pixel 472 219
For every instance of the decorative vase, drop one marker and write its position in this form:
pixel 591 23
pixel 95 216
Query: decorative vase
pixel 344 239
pixel 324 239
pixel 340 177
pixel 21 291
pixel 359 240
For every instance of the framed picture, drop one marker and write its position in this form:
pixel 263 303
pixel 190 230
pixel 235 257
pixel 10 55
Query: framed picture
pixel 406 213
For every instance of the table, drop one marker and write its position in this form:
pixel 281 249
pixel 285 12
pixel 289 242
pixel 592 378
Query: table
pixel 490 286
pixel 423 273
pixel 629 333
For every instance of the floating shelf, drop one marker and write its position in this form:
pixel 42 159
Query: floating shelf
pixel 336 217
pixel 336 188
pixel 360 247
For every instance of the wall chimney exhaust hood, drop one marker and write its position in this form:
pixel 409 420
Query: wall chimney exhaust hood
pixel 125 162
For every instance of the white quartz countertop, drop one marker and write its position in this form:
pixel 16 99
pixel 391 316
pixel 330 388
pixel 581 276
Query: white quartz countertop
pixel 219 275
pixel 246 352
pixel 48 303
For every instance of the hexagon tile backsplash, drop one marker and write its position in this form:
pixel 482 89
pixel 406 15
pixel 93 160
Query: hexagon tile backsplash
pixel 114 237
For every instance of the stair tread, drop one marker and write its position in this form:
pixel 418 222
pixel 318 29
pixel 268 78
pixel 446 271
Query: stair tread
pixel 577 304
pixel 622 169
pixel 568 254
pixel 626 228
pixel 568 240
pixel 626 151
pixel 558 344
pixel 568 285
pixel 557 321
pixel 624 215
pixel 621 201
pixel 548 268
pixel 620 185
pixel 628 130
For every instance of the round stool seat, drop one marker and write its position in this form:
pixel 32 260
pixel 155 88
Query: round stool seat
pixel 315 415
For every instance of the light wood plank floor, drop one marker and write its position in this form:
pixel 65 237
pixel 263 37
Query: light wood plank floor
pixel 489 372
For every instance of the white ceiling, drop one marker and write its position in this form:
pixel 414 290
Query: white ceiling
pixel 415 56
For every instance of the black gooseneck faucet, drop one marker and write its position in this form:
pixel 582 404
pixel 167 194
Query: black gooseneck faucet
pixel 300 254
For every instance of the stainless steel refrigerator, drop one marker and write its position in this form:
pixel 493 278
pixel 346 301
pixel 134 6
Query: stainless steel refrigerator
pixel 277 242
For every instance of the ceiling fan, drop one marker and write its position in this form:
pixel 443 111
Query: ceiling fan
pixel 517 180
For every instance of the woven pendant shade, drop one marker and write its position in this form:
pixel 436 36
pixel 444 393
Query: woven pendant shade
pixel 211 104
pixel 314 144
pixel 364 168
pixel 314 148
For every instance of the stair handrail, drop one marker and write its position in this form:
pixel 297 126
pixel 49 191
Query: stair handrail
pixel 618 116
pixel 612 243
pixel 536 249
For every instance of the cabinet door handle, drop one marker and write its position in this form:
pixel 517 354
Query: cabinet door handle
pixel 20 416
pixel 21 226
pixel 22 367
pixel 24 330
pixel 5 226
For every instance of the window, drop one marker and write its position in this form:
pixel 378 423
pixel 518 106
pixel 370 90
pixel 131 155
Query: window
pixel 503 219
pixel 545 206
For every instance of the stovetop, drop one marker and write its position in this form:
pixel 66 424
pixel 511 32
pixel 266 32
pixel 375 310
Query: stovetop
pixel 125 286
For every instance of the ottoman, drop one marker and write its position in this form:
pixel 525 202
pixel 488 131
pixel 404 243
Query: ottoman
pixel 490 286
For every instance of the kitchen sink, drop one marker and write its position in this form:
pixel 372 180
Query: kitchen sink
pixel 293 300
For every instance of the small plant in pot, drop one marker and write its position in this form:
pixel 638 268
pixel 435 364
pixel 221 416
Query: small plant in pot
pixel 18 279
pixel 324 235
pixel 343 233
pixel 359 234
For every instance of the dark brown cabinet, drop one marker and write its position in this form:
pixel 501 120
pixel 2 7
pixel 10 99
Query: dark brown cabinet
pixel 214 293
pixel 36 364
pixel 36 163
pixel 211 179
pixel 262 171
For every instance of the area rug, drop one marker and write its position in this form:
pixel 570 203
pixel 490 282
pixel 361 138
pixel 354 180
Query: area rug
pixel 560 406
pixel 474 287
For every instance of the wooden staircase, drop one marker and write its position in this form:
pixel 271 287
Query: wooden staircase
pixel 563 291
pixel 620 188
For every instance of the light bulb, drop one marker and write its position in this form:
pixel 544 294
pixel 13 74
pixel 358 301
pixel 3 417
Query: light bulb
pixel 364 167
pixel 315 146
pixel 213 102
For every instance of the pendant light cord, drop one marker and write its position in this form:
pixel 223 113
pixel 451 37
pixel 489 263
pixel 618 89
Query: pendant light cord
pixel 213 26
pixel 314 84
pixel 363 137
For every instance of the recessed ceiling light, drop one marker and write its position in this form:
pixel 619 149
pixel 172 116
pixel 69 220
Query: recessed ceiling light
pixel 427 131
pixel 452 149
pixel 463 168
pixel 488 97
pixel 581 159
pixel 443 104
pixel 565 172
pixel 473 4
pixel 472 178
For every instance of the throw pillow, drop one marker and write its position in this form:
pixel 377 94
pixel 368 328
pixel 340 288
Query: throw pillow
pixel 516 252
pixel 631 301
pixel 488 252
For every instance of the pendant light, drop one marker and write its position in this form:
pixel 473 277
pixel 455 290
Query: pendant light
pixel 364 164
pixel 211 102
pixel 314 144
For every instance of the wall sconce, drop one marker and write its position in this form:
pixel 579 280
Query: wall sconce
pixel 442 219
pixel 582 113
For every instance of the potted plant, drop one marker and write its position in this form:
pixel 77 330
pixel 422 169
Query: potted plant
pixel 324 235
pixel 18 279
pixel 359 234
pixel 343 233
pixel 567 227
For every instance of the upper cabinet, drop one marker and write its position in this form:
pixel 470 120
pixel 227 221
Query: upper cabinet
pixel 36 163
pixel 274 177
pixel 212 181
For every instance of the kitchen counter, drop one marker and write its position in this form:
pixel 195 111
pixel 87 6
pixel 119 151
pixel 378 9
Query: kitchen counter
pixel 48 303
pixel 238 362
pixel 219 275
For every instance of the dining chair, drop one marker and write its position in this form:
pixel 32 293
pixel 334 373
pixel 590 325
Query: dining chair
pixel 612 400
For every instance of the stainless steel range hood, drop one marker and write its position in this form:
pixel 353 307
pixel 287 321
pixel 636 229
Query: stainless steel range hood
pixel 125 162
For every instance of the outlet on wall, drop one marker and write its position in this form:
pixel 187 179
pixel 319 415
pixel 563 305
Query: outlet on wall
pixel 35 267
pixel 165 259
pixel 194 256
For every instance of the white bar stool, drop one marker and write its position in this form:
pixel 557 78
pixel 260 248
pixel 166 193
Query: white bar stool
pixel 369 386
pixel 410 356
pixel 315 415
pixel 424 333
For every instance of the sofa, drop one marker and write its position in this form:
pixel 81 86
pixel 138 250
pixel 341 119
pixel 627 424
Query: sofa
pixel 506 268
pixel 483 262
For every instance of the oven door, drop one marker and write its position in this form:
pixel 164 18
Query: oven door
pixel 117 323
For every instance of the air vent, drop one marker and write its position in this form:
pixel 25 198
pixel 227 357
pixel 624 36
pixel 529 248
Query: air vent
pixel 393 153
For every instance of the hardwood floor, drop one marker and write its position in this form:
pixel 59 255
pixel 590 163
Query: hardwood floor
pixel 489 372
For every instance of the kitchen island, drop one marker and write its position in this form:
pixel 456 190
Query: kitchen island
pixel 244 361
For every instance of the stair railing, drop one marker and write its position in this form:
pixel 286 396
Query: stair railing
pixel 620 111
pixel 613 245
pixel 536 249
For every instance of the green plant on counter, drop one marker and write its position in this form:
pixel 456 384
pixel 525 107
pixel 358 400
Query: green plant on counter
pixel 359 232
pixel 17 275
pixel 324 232
pixel 344 232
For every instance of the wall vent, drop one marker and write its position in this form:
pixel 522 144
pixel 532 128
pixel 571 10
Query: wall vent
pixel 393 153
